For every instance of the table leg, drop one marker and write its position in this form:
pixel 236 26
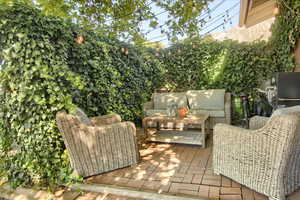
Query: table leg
pixel 158 126
pixel 203 134
pixel 145 126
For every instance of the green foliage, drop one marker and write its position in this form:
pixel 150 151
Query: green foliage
pixel 203 64
pixel 122 18
pixel 285 34
pixel 46 71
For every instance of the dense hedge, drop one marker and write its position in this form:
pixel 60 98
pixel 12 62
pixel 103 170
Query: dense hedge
pixel 204 64
pixel 46 71
pixel 285 35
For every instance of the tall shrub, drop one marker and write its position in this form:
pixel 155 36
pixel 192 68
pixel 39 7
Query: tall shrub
pixel 205 64
pixel 45 71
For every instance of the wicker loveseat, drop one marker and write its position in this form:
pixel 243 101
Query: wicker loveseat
pixel 266 159
pixel 100 145
pixel 216 103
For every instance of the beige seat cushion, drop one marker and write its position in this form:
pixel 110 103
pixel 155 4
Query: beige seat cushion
pixel 164 100
pixel 156 112
pixel 206 99
pixel 211 113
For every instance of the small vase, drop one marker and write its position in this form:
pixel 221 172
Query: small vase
pixel 182 112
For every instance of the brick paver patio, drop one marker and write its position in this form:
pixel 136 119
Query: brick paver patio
pixel 179 169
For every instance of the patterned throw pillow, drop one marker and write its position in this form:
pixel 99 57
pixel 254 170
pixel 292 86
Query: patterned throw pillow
pixel 83 118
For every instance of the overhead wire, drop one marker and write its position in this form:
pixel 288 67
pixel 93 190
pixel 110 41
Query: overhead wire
pixel 220 16
pixel 206 33
pixel 201 16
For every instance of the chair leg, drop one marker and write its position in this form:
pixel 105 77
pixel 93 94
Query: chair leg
pixel 281 198
pixel 216 173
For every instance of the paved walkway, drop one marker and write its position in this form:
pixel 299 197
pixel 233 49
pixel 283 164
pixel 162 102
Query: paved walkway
pixel 180 170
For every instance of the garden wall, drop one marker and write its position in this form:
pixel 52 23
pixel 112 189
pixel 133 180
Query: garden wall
pixel 48 69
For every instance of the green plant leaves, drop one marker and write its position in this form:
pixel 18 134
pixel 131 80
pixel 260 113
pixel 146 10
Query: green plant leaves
pixel 46 71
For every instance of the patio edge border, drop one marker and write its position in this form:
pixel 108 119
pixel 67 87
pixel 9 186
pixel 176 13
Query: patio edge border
pixel 7 192
pixel 128 192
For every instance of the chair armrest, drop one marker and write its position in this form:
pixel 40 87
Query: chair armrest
pixel 121 127
pixel 228 134
pixel 228 107
pixel 258 122
pixel 147 106
pixel 269 144
pixel 106 119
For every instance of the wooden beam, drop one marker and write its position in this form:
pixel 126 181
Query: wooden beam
pixel 244 8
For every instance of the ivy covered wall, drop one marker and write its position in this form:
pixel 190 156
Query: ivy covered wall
pixel 45 71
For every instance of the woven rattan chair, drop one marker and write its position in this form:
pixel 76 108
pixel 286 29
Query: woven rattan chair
pixel 105 145
pixel 266 159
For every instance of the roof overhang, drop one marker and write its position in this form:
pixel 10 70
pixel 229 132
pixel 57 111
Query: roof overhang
pixel 244 8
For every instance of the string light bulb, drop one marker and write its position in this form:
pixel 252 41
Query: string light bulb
pixel 79 39
pixel 126 51
pixel 276 11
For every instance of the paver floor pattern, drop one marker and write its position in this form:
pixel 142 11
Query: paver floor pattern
pixel 179 169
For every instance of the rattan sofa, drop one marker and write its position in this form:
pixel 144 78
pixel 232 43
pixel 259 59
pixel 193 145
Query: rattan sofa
pixel 265 158
pixel 103 145
pixel 215 102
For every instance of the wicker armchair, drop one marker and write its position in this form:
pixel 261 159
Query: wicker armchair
pixel 266 159
pixel 106 145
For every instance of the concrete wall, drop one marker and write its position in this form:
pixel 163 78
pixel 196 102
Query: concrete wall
pixel 260 31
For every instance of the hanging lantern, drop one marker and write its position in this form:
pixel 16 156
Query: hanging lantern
pixel 194 9
pixel 276 11
pixel 79 39
pixel 126 51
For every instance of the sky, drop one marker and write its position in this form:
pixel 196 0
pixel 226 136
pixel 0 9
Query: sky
pixel 224 15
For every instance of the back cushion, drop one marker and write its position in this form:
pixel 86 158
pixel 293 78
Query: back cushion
pixel 206 99
pixel 164 100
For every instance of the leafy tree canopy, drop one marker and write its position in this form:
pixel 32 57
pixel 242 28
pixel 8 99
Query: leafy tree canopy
pixel 123 18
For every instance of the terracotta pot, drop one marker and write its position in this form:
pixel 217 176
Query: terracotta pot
pixel 182 112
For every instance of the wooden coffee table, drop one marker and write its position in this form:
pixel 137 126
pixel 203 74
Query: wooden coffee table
pixel 190 119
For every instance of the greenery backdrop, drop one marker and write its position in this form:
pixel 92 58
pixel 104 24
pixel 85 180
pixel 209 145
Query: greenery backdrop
pixel 45 70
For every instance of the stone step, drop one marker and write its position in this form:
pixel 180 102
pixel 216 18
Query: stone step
pixel 129 192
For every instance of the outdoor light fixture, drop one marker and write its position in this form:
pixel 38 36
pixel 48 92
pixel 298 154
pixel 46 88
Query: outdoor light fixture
pixel 126 51
pixel 79 39
pixel 276 11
